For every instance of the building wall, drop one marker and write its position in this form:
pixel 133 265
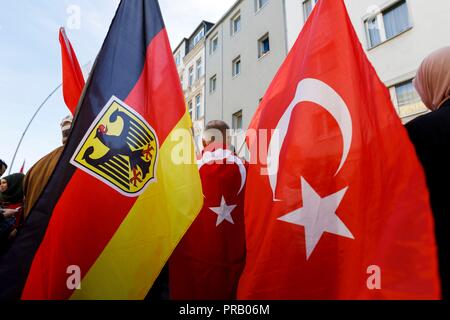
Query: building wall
pixel 397 59
pixel 244 91
pixel 197 88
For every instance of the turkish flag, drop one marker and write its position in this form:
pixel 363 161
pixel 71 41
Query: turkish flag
pixel 208 261
pixel 336 203
pixel 73 80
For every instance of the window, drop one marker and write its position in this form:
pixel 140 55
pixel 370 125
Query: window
pixel 408 100
pixel 212 84
pixel 199 68
pixel 214 43
pixel 263 46
pixel 178 58
pixel 387 24
pixel 199 36
pixel 198 112
pixel 308 6
pixel 236 23
pixel 236 66
pixel 190 110
pixel 260 4
pixel 181 80
pixel 237 120
pixel 191 76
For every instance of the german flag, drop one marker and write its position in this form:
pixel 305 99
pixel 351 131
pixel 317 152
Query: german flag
pixel 120 199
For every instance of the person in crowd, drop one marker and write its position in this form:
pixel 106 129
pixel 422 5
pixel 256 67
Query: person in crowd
pixel 430 134
pixel 207 263
pixel 3 167
pixel 38 176
pixel 11 203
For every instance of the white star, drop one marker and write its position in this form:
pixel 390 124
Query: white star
pixel 318 216
pixel 223 212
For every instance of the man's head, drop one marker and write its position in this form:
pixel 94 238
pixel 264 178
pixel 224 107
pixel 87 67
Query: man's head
pixel 216 131
pixel 66 126
pixel 3 167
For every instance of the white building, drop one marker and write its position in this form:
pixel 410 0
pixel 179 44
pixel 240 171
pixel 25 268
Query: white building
pixel 397 35
pixel 248 44
pixel 190 60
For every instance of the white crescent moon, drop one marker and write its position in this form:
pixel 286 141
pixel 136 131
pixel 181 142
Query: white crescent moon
pixel 227 155
pixel 318 92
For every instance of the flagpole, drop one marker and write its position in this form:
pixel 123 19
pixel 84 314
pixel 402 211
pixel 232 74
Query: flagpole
pixel 29 124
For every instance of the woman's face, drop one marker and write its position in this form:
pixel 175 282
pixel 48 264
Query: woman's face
pixel 3 185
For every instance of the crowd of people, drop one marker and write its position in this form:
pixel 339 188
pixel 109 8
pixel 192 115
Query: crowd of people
pixel 430 134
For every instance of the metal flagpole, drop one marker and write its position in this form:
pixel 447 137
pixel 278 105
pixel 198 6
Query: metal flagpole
pixel 29 124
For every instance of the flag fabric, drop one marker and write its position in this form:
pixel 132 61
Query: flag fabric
pixel 338 208
pixel 207 263
pixel 22 168
pixel 73 80
pixel 119 199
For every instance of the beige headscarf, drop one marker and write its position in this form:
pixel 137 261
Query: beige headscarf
pixel 433 79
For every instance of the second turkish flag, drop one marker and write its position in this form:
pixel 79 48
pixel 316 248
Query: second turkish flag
pixel 338 209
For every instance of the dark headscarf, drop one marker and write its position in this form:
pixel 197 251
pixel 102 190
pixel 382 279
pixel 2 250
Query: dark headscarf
pixel 14 193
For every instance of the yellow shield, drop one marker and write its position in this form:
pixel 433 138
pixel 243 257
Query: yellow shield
pixel 120 149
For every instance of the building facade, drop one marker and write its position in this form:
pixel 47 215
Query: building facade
pixel 189 57
pixel 248 44
pixel 396 35
pixel 244 51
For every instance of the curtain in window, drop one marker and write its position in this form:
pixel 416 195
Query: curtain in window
pixel 374 32
pixel 396 20
pixel 406 94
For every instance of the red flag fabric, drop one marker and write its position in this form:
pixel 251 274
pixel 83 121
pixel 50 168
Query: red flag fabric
pixel 73 80
pixel 22 168
pixel 338 208
pixel 207 263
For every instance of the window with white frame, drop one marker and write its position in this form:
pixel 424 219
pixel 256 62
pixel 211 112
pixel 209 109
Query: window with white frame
pixel 237 120
pixel 199 36
pixel 191 76
pixel 260 4
pixel 191 110
pixel 308 6
pixel 236 66
pixel 407 99
pixel 198 111
pixel 263 46
pixel 212 84
pixel 213 44
pixel 236 23
pixel 388 23
pixel 181 80
pixel 199 68
pixel 178 58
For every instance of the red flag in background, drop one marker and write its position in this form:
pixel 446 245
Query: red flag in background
pixel 345 212
pixel 22 169
pixel 210 258
pixel 73 80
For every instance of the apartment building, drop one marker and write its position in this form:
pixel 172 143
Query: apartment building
pixel 248 44
pixel 397 35
pixel 189 57
pixel 245 49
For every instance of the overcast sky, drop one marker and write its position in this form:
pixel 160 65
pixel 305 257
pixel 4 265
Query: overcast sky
pixel 30 62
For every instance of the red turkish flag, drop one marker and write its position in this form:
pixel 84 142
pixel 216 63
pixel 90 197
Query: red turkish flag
pixel 207 263
pixel 345 212
pixel 73 80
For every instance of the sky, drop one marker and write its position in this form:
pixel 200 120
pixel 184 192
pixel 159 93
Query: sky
pixel 30 61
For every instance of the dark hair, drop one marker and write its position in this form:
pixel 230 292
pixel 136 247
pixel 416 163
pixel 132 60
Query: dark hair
pixel 3 163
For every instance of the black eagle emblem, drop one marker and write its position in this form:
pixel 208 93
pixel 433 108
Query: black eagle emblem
pixel 130 154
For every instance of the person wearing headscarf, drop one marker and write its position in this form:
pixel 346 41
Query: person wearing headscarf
pixel 11 202
pixel 430 135
pixel 38 176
